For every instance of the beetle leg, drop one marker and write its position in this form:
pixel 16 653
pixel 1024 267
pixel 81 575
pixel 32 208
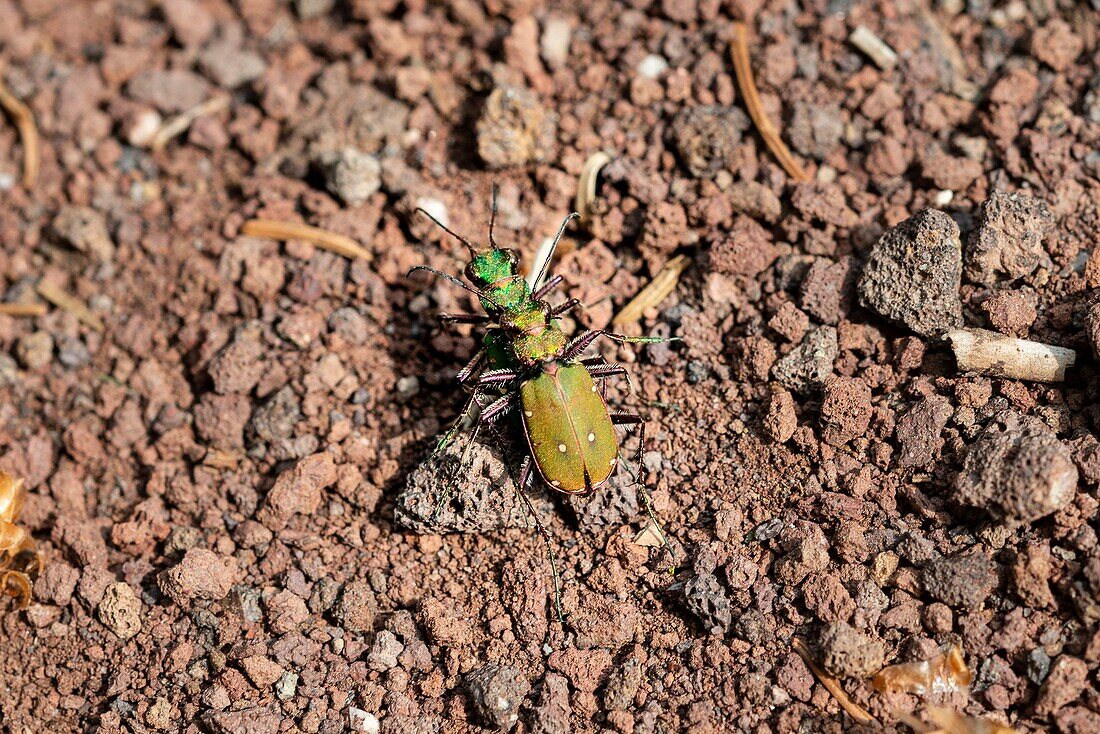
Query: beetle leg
pixel 546 288
pixel 633 419
pixel 497 407
pixel 521 489
pixel 580 343
pixel 463 318
pixel 467 372
pixel 563 308
pixel 495 377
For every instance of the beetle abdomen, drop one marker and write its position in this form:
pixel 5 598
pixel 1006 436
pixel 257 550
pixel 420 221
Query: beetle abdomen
pixel 568 428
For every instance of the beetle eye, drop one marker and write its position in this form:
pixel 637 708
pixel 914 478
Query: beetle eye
pixel 472 276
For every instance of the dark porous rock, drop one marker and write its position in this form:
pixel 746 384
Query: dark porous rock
pixel 551 715
pixel 848 653
pixel 919 431
pixel 706 137
pixel 806 366
pixel 515 129
pixel 707 600
pixel 496 694
pixel 481 489
pixel 961 581
pixel 1017 470
pixel 1009 239
pixel 913 273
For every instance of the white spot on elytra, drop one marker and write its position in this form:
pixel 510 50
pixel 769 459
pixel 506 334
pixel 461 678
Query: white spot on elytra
pixel 555 483
pixel 561 447
pixel 591 437
pixel 593 388
pixel 528 413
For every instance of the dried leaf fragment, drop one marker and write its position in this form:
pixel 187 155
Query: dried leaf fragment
pixel 586 184
pixel 20 562
pixel 943 673
pixel 945 721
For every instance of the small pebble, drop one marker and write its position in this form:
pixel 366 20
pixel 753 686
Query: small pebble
pixel 652 66
pixel 1017 470
pixel 120 610
pixel 847 652
pixel 496 694
pixel 515 129
pixel 287 686
pixel 353 175
pixel 35 350
pixel 876 49
pixel 554 42
pixel 362 721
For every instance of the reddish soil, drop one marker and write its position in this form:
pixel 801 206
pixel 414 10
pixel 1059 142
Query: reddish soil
pixel 213 478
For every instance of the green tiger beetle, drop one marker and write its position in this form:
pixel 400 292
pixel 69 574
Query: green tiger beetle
pixel 527 363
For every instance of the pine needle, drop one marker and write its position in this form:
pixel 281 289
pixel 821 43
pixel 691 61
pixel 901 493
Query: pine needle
pixel 739 50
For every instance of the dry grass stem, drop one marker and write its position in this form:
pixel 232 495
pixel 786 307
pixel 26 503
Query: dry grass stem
pixel 655 292
pixel 181 122
pixel 996 355
pixel 69 303
pixel 23 309
pixel 322 238
pixel 23 119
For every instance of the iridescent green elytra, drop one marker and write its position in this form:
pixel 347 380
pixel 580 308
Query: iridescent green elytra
pixel 527 362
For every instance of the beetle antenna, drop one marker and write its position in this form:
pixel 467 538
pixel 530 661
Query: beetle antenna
pixel 456 281
pixel 493 217
pixel 448 230
pixel 553 246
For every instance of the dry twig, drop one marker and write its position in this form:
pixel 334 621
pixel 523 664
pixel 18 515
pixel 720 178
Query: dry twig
pixel 322 238
pixel 831 684
pixel 989 353
pixel 181 122
pixel 655 292
pixel 23 309
pixel 69 303
pixel 23 119
pixel 739 50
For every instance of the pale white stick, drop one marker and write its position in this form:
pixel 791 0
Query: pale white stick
pixel 996 355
